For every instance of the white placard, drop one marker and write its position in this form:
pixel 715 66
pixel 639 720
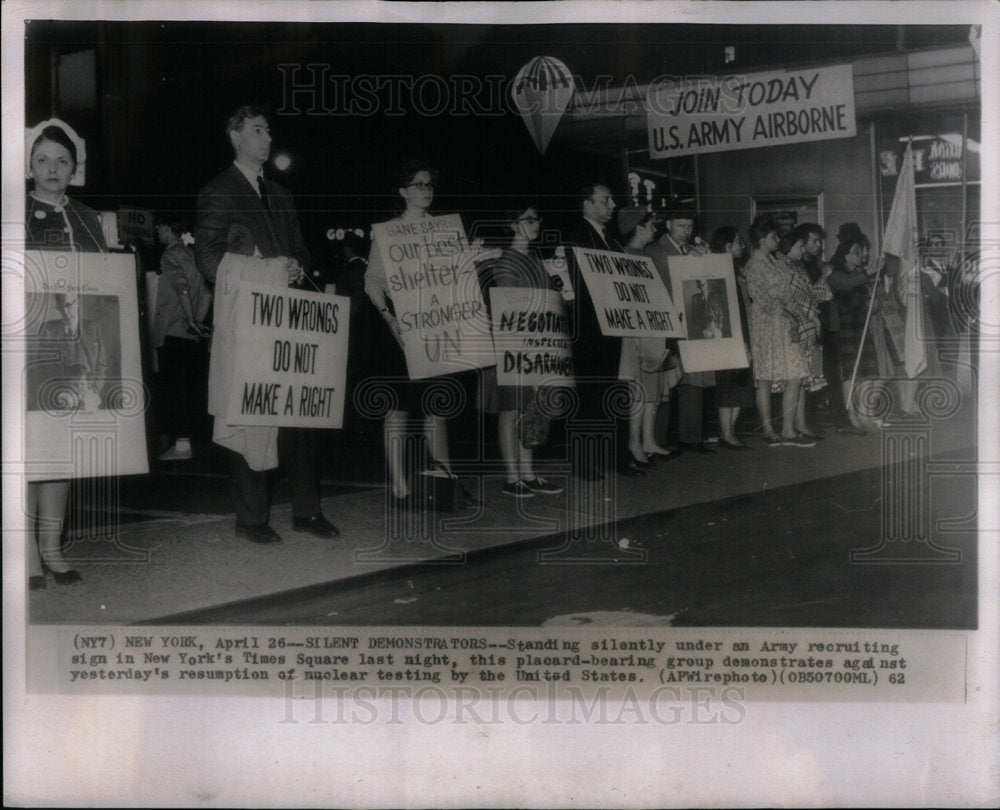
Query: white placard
pixel 436 295
pixel 291 358
pixel 706 290
pixel 629 296
pixel 530 335
pixel 85 397
pixel 692 116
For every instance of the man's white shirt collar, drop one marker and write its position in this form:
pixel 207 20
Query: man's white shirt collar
pixel 250 175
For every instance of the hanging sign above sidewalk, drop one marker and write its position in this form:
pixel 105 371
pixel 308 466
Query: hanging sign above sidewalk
pixel 695 115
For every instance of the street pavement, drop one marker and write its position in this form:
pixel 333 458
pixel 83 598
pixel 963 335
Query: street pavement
pixel 733 539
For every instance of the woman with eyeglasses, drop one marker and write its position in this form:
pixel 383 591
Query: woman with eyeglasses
pixel 54 221
pixel 518 266
pixel 415 189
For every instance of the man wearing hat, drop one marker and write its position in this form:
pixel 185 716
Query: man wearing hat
pixel 677 241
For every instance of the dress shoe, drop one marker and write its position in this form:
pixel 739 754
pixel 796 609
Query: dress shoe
pixel 813 437
pixel 36 583
pixel 317 525
pixel 643 464
pixel 670 455
pixel 701 447
pixel 262 535
pixel 631 469
pixel 851 430
pixel 70 577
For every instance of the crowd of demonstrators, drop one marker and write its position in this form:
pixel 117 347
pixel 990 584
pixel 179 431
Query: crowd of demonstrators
pixel 792 306
pixel 55 221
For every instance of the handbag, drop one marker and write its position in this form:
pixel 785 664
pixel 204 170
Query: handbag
pixel 532 425
pixel 440 490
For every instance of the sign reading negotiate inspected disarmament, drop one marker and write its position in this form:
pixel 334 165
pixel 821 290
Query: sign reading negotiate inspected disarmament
pixel 691 116
pixel 530 336
pixel 291 358
pixel 629 296
pixel 435 293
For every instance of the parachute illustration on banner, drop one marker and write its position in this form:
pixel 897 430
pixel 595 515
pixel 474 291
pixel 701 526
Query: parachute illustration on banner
pixel 541 93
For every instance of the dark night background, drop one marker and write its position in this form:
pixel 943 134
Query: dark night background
pixel 154 122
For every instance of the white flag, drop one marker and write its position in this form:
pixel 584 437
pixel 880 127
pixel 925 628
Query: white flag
pixel 901 241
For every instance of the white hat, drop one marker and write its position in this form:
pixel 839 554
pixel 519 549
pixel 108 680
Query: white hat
pixel 31 135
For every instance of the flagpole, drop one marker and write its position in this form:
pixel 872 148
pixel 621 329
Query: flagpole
pixel 864 333
pixel 878 275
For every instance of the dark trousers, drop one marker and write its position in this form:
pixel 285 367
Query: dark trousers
pixel 297 459
pixel 689 416
pixel 182 376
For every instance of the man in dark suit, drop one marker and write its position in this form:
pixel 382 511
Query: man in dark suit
pixel 595 356
pixel 708 316
pixel 676 241
pixel 241 211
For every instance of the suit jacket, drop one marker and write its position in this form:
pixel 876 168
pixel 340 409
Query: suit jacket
pixel 594 355
pixel 232 219
pixel 66 365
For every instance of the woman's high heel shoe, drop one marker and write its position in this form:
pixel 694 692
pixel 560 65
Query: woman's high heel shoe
pixel 70 577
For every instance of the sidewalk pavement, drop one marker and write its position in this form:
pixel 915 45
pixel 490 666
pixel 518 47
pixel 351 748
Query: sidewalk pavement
pixel 174 558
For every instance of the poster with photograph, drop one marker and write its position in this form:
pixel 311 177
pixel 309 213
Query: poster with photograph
pixel 84 395
pixel 713 330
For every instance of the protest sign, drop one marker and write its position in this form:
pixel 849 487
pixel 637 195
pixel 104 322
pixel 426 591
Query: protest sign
pixel 692 116
pixel 629 296
pixel 85 399
pixel 530 337
pixel 435 293
pixel 705 287
pixel 291 358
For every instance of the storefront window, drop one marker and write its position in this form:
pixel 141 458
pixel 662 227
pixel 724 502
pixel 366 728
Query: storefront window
pixel 946 150
pixel 789 211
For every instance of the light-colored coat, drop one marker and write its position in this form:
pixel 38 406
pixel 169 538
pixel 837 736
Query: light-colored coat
pixel 258 445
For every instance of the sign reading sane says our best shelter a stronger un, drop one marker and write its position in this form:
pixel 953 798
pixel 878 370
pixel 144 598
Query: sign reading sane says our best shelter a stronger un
pixel 435 292
pixel 291 358
pixel 690 116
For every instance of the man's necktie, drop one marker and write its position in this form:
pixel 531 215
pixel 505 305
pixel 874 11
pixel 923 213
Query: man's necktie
pixel 684 249
pixel 263 192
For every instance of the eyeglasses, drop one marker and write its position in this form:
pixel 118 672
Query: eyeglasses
pixel 530 220
pixel 420 185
